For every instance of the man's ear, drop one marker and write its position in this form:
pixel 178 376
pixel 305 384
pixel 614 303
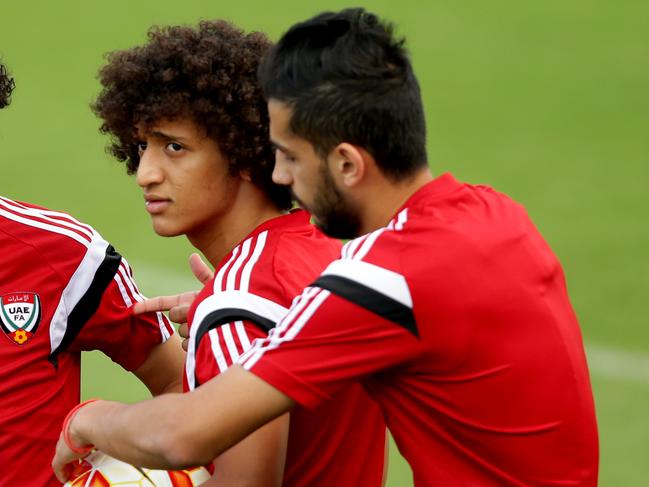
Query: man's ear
pixel 349 163
pixel 245 175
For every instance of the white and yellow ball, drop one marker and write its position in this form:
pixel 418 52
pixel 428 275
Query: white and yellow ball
pixel 101 470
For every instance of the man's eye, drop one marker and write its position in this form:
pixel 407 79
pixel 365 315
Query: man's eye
pixel 174 147
pixel 286 157
pixel 141 147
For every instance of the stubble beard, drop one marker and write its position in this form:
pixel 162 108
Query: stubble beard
pixel 333 213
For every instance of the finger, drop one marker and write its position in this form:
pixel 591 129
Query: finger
pixel 185 344
pixel 178 314
pixel 159 303
pixel 200 269
pixel 63 463
pixel 183 330
pixel 163 303
pixel 59 472
pixel 68 470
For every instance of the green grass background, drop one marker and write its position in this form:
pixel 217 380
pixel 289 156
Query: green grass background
pixel 547 101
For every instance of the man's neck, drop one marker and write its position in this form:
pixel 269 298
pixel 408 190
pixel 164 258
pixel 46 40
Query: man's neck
pixel 250 209
pixel 385 198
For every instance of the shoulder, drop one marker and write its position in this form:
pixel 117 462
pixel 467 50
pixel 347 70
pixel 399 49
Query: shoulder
pixel 300 257
pixel 383 247
pixel 40 226
pixel 48 236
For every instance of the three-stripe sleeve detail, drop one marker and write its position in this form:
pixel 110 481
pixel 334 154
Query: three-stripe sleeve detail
pixel 220 316
pixel 222 310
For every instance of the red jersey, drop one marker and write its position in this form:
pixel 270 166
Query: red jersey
pixel 341 442
pixel 457 320
pixel 63 289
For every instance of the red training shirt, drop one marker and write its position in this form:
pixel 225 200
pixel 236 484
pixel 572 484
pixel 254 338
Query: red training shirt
pixel 340 442
pixel 457 320
pixel 63 289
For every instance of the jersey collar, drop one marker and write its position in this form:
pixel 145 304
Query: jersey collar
pixel 295 218
pixel 433 190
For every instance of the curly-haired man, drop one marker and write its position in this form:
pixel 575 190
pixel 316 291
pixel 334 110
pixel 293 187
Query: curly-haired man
pixel 63 290
pixel 186 115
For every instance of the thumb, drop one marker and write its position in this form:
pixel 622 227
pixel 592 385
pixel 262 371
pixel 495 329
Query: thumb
pixel 200 269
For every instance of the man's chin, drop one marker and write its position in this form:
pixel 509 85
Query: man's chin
pixel 165 230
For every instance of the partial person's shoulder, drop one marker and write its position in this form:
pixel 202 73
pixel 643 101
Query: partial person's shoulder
pixel 294 234
pixel 276 261
pixel 41 227
pixel 382 247
pixel 49 238
pixel 307 248
pixel 300 257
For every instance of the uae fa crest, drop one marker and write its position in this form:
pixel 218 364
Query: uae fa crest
pixel 20 315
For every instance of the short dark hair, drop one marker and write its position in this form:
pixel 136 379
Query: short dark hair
pixel 348 79
pixel 6 86
pixel 207 74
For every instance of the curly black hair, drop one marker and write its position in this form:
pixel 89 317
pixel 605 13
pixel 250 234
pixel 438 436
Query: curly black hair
pixel 6 86
pixel 207 74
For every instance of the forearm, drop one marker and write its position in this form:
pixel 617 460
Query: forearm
pixel 147 434
pixel 174 431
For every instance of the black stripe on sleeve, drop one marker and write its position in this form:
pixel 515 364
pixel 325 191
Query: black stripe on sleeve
pixel 228 315
pixel 89 302
pixel 370 299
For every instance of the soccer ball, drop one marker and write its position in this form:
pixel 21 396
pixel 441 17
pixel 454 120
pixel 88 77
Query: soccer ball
pixel 101 470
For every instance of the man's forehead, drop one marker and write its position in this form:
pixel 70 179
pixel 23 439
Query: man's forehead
pixel 280 118
pixel 279 111
pixel 168 127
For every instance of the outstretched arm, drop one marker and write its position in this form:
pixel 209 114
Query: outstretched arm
pixel 173 431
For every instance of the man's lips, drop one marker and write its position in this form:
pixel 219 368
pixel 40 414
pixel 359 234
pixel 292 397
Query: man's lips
pixel 156 204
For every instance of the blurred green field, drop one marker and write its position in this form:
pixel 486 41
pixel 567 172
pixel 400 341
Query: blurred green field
pixel 547 101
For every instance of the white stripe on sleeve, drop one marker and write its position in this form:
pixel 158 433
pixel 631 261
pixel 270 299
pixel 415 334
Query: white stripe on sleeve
pixel 367 244
pixel 76 288
pixel 287 330
pixel 243 336
pixel 122 289
pixel 54 217
pixel 218 280
pixel 216 350
pixel 247 270
pixel 229 342
pixel 383 280
pixel 232 273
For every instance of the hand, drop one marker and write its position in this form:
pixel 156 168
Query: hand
pixel 66 457
pixel 64 461
pixel 178 304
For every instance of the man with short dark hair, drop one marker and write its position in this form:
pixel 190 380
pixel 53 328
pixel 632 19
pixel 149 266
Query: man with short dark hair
pixel 63 290
pixel 447 305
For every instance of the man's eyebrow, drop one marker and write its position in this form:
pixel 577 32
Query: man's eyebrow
pixel 165 136
pixel 278 146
